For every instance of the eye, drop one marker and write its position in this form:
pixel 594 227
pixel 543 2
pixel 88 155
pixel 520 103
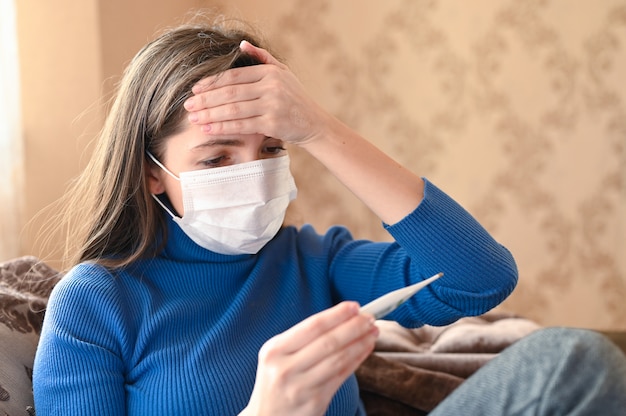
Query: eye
pixel 274 150
pixel 273 147
pixel 214 162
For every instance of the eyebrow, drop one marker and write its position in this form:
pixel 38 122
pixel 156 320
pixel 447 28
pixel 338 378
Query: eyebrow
pixel 218 142
pixel 235 142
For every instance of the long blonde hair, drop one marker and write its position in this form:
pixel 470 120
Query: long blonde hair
pixel 110 216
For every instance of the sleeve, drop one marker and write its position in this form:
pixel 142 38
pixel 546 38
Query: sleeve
pixel 79 366
pixel 438 236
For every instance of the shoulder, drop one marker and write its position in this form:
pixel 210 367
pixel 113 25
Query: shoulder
pixel 84 281
pixel 307 239
pixel 89 299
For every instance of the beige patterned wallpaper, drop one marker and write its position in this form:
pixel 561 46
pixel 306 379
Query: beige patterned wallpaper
pixel 516 108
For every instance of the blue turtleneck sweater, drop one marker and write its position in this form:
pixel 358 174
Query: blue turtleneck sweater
pixel 179 334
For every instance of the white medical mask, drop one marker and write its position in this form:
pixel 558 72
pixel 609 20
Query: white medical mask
pixel 234 209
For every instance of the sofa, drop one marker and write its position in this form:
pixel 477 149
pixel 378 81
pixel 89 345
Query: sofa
pixel 429 360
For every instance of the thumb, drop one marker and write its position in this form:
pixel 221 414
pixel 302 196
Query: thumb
pixel 259 53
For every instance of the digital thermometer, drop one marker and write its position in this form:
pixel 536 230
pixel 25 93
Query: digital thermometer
pixel 387 303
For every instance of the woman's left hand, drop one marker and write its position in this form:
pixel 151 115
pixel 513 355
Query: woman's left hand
pixel 262 99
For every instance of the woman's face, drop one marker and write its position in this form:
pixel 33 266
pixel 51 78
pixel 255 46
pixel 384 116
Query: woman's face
pixel 191 149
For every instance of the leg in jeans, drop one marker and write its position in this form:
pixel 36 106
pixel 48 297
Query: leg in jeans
pixel 553 371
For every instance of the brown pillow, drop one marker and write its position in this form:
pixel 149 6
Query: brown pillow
pixel 25 285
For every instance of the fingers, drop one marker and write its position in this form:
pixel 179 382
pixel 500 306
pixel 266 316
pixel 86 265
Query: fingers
pixel 328 345
pixel 225 87
pixel 235 118
pixel 239 102
pixel 309 330
pixel 332 369
pixel 301 369
pixel 340 345
pixel 263 99
pixel 244 75
pixel 234 94
pixel 261 54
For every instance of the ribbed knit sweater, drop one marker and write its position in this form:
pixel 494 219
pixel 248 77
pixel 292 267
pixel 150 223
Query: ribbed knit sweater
pixel 179 334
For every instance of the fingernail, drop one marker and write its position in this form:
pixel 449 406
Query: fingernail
pixel 188 104
pixel 193 117
pixel 196 89
pixel 206 128
pixel 353 307
pixel 375 331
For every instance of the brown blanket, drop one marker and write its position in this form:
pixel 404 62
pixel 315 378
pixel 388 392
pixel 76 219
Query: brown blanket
pixel 412 370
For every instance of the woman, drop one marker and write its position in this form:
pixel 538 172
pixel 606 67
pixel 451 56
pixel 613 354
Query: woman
pixel 187 295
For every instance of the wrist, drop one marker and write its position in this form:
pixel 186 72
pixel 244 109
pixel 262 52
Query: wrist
pixel 331 135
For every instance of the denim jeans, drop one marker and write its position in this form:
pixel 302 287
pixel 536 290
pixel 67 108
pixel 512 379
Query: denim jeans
pixel 553 371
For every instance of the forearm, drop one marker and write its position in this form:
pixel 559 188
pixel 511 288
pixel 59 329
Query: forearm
pixel 438 236
pixel 390 190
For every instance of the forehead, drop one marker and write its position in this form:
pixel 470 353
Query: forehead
pixel 191 139
pixel 187 138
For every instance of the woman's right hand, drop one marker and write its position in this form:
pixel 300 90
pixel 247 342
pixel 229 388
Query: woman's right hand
pixel 269 100
pixel 301 369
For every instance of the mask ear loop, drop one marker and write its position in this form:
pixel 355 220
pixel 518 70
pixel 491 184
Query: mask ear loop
pixel 162 166
pixel 156 198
